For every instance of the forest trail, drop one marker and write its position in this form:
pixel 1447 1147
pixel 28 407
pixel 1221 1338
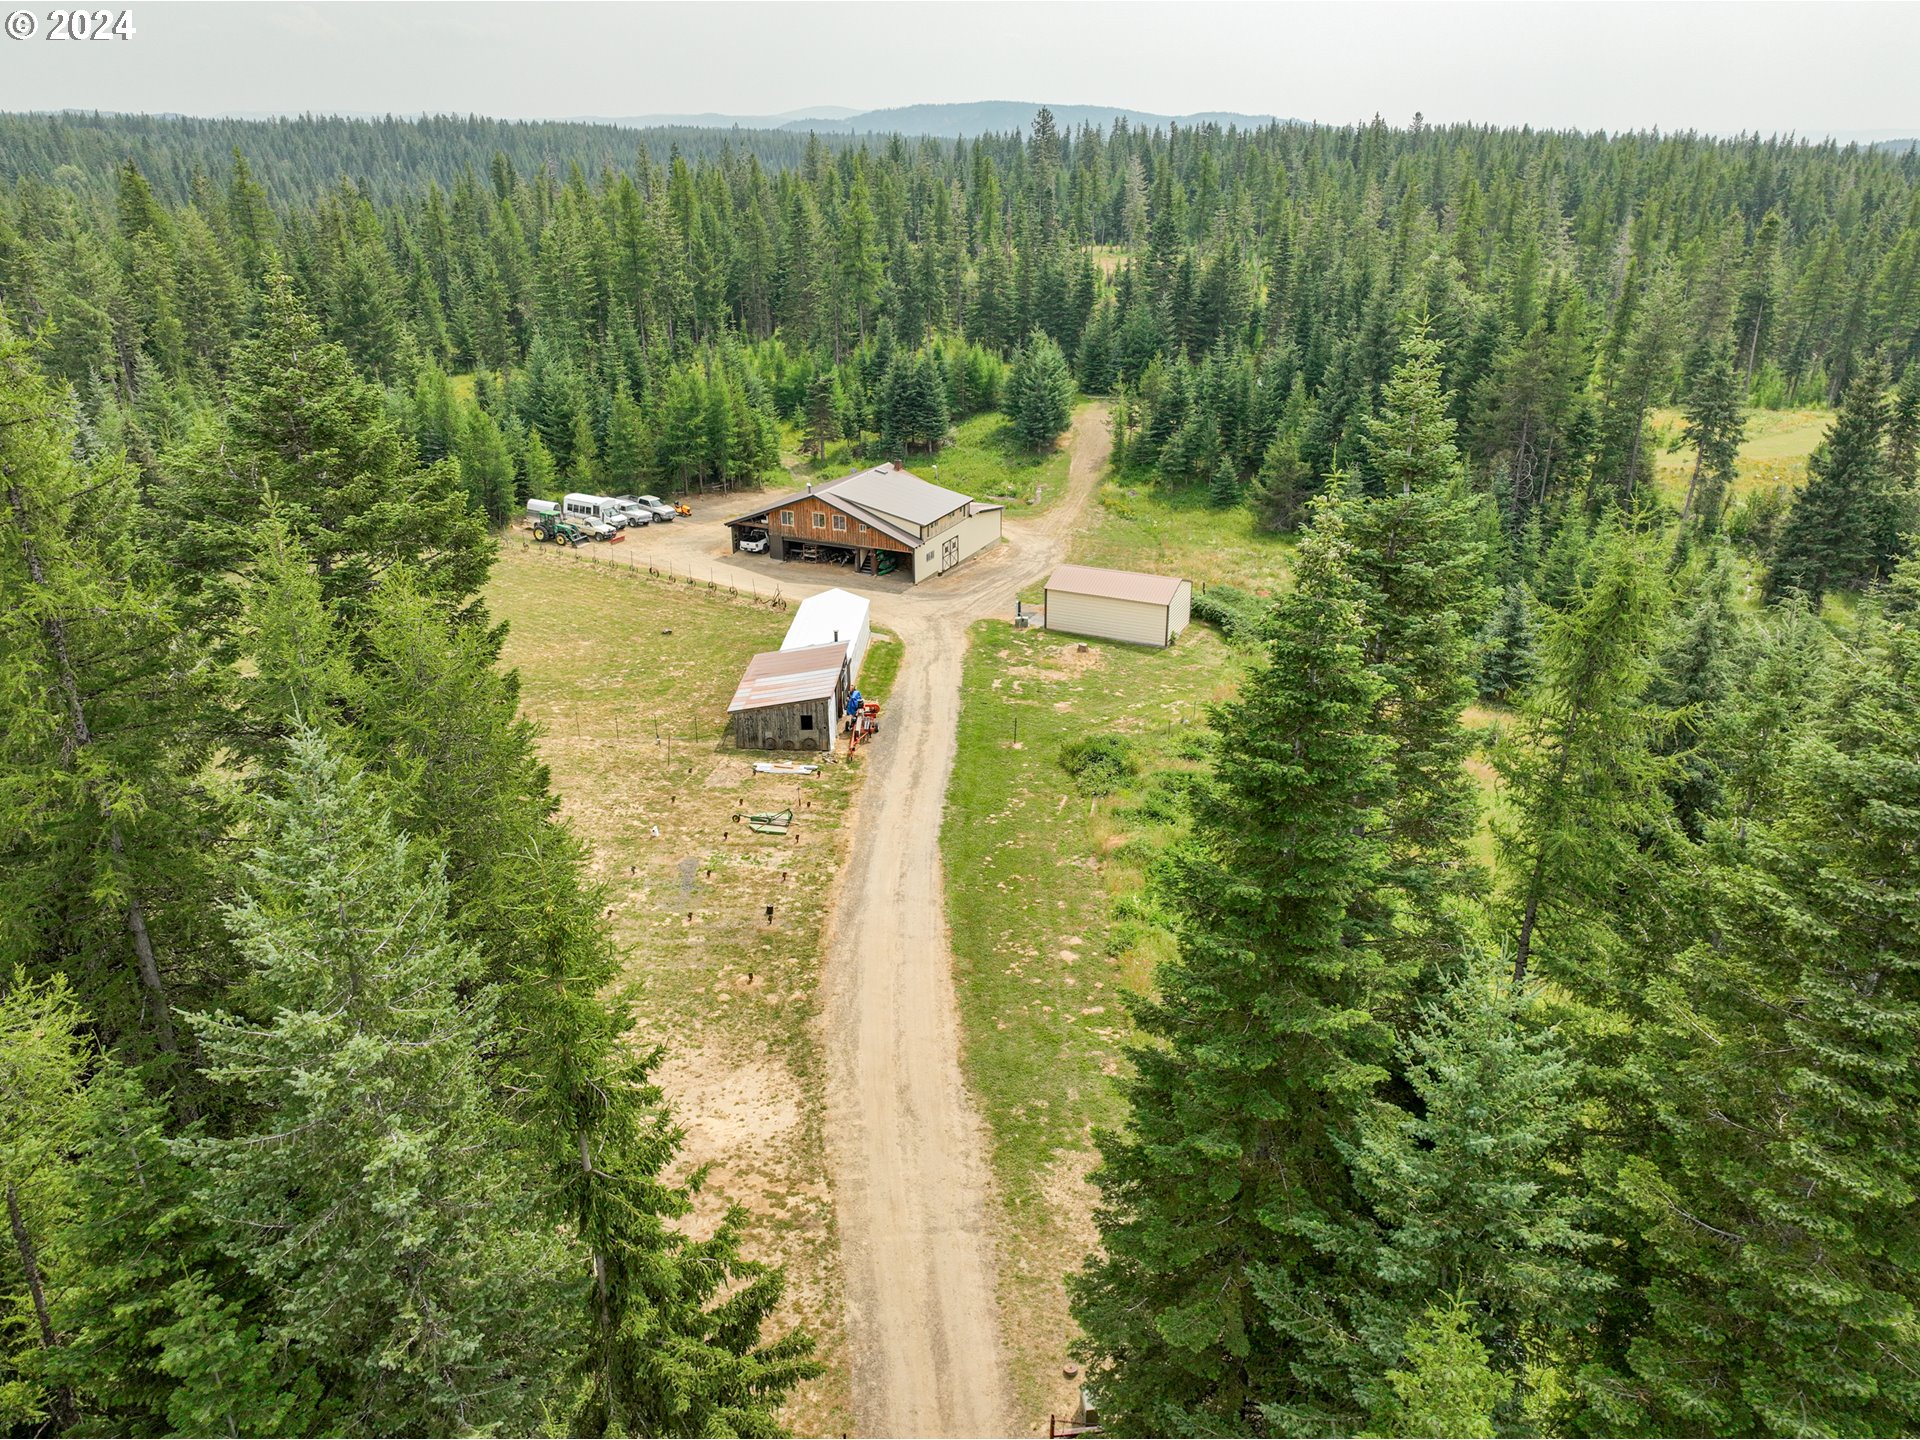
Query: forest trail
pixel 913 1189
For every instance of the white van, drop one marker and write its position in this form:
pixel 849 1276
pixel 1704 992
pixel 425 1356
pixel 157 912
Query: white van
pixel 594 507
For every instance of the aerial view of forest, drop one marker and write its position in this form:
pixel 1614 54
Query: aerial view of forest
pixel 591 842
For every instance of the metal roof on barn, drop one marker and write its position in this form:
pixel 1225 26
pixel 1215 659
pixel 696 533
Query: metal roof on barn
pixel 1115 584
pixel 893 491
pixel 788 677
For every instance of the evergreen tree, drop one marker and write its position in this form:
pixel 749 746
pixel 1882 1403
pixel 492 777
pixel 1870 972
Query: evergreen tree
pixel 1581 780
pixel 1448 1388
pixel 43 1103
pixel 1777 1204
pixel 1040 393
pixel 365 1187
pixel 1259 1046
pixel 1224 491
pixel 486 465
pixel 1507 647
pixel 1714 427
pixel 1845 527
pixel 305 433
pixel 1467 1190
pixel 1419 565
pixel 101 729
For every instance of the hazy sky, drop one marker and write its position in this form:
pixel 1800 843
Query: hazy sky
pixel 1724 67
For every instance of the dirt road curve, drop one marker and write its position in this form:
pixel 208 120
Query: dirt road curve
pixel 912 1185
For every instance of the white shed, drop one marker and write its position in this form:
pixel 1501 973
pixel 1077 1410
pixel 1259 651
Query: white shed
pixel 1118 604
pixel 833 617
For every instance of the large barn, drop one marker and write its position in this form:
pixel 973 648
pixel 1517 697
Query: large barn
pixel 881 521
pixel 791 699
pixel 1118 604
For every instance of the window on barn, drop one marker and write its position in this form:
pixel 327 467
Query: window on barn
pixel 786 518
pixel 806 722
pixel 839 522
pixel 819 519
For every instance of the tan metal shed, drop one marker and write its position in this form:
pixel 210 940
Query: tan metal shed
pixel 1118 604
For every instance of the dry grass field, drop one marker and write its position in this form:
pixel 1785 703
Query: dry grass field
pixel 628 677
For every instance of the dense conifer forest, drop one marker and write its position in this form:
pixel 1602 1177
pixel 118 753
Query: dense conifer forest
pixel 318 1112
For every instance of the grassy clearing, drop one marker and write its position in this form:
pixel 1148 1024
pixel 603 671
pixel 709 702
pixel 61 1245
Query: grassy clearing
pixel 881 667
pixel 985 461
pixel 633 730
pixel 1049 931
pixel 1774 452
pixel 1143 527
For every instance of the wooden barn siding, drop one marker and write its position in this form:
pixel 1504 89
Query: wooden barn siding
pixel 802 528
pixel 777 727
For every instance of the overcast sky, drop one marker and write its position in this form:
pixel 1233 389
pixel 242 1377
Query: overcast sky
pixel 1850 69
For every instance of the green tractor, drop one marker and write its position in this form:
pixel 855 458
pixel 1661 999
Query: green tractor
pixel 558 531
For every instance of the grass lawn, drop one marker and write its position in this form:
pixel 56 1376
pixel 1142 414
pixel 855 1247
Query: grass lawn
pixel 628 677
pixel 1775 450
pixel 881 667
pixel 1140 526
pixel 984 462
pixel 1044 887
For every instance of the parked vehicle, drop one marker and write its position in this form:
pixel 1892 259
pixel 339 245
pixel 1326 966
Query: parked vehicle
pixel 596 529
pixel 636 513
pixel 661 510
pixel 559 532
pixel 537 508
pixel 754 544
pixel 580 508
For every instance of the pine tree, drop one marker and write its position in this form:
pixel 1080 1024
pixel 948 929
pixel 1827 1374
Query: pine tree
pixel 43 1109
pixel 1223 492
pixel 1903 430
pixel 365 1186
pixel 101 729
pixel 1776 1206
pixel 1448 1388
pixel 1259 1044
pixel 1507 647
pixel 307 432
pixel 1845 525
pixel 1040 393
pixel 486 465
pixel 1692 683
pixel 1714 427
pixel 1466 1188
pixel 1581 780
pixel 1419 563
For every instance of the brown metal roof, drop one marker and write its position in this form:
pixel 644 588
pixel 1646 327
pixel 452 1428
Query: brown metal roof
pixel 1115 584
pixel 786 677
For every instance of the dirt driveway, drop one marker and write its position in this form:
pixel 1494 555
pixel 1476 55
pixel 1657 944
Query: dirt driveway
pixel 913 1189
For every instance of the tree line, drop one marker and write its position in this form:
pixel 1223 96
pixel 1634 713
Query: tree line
pixel 1610 1136
pixel 1610 1142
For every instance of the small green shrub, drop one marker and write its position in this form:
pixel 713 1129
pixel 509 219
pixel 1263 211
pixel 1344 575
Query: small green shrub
pixel 1099 764
pixel 1231 610
pixel 1194 744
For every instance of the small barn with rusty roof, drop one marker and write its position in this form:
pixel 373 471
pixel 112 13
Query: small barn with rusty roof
pixel 791 699
pixel 885 520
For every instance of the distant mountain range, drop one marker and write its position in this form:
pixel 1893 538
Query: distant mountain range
pixel 948 122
